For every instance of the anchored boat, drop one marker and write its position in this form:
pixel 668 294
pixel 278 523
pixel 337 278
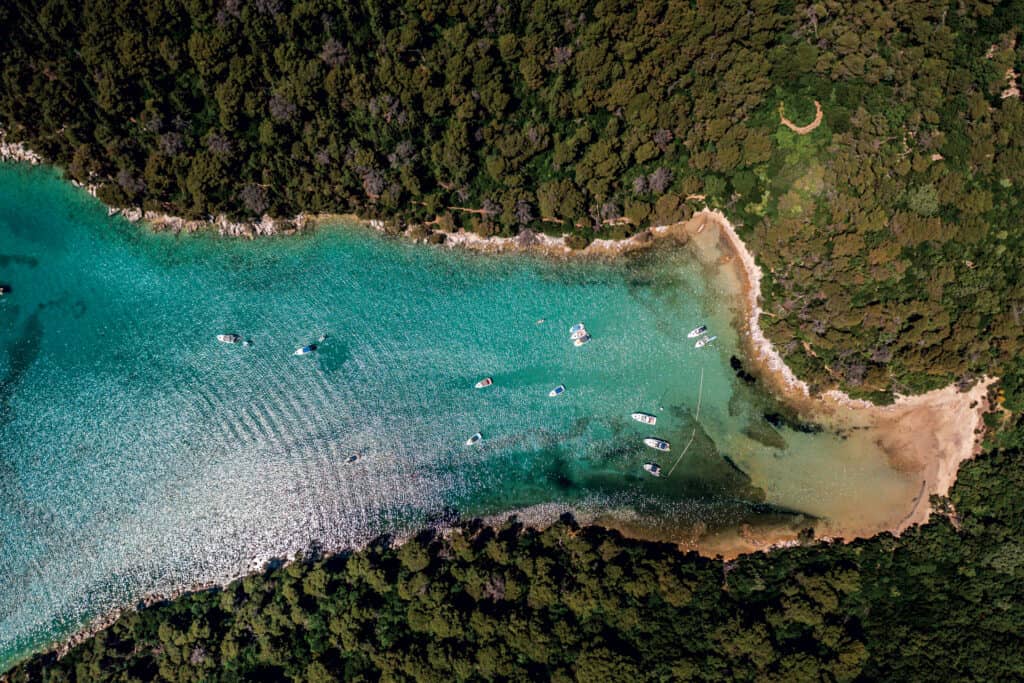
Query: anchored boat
pixel 557 391
pixel 309 348
pixel 657 444
pixel 485 382
pixel 653 468
pixel 697 331
pixel 476 438
pixel 229 338
pixel 704 341
pixel 646 418
pixel 580 341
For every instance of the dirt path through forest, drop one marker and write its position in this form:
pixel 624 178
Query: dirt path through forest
pixel 801 130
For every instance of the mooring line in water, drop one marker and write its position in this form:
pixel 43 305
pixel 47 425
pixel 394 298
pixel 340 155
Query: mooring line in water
pixel 700 394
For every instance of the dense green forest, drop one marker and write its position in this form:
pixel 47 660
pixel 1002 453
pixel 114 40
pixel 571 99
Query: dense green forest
pixel 890 236
pixel 889 233
pixel 943 602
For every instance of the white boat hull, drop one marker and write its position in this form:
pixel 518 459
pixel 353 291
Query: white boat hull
pixel 657 444
pixel 652 469
pixel 645 418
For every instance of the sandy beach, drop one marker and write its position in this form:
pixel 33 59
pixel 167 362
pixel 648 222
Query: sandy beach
pixel 925 437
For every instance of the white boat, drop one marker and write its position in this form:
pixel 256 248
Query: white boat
pixel 476 438
pixel 351 459
pixel 557 391
pixel 581 341
pixel 229 338
pixel 578 327
pixel 323 338
pixel 697 331
pixel 578 334
pixel 540 321
pixel 485 382
pixel 704 341
pixel 646 418
pixel 653 468
pixel 302 351
pixel 656 444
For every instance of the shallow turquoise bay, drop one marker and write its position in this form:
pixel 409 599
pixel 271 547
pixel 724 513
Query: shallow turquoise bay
pixel 137 454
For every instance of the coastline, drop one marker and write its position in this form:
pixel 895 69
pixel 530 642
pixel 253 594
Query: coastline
pixel 950 422
pixel 946 420
pixel 926 436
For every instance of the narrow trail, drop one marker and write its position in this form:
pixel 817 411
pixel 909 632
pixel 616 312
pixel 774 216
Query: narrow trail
pixel 700 395
pixel 801 130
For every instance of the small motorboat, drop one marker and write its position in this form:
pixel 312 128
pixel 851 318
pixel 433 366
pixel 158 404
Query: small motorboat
pixel 578 327
pixel 557 391
pixel 704 341
pixel 645 418
pixel 656 444
pixel 302 351
pixel 475 439
pixel 323 338
pixel 653 468
pixel 578 334
pixel 697 331
pixel 541 321
pixel 581 340
pixel 351 459
pixel 229 338
pixel 485 382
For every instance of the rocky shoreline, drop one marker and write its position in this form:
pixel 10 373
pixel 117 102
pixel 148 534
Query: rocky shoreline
pixel 17 152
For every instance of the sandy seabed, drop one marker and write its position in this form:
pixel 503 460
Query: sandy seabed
pixel 924 437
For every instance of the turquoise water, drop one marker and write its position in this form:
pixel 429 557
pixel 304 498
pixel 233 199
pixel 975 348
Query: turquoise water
pixel 137 454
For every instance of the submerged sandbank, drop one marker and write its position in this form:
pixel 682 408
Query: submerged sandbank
pixel 924 438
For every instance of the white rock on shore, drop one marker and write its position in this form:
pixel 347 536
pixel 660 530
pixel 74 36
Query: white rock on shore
pixel 16 151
